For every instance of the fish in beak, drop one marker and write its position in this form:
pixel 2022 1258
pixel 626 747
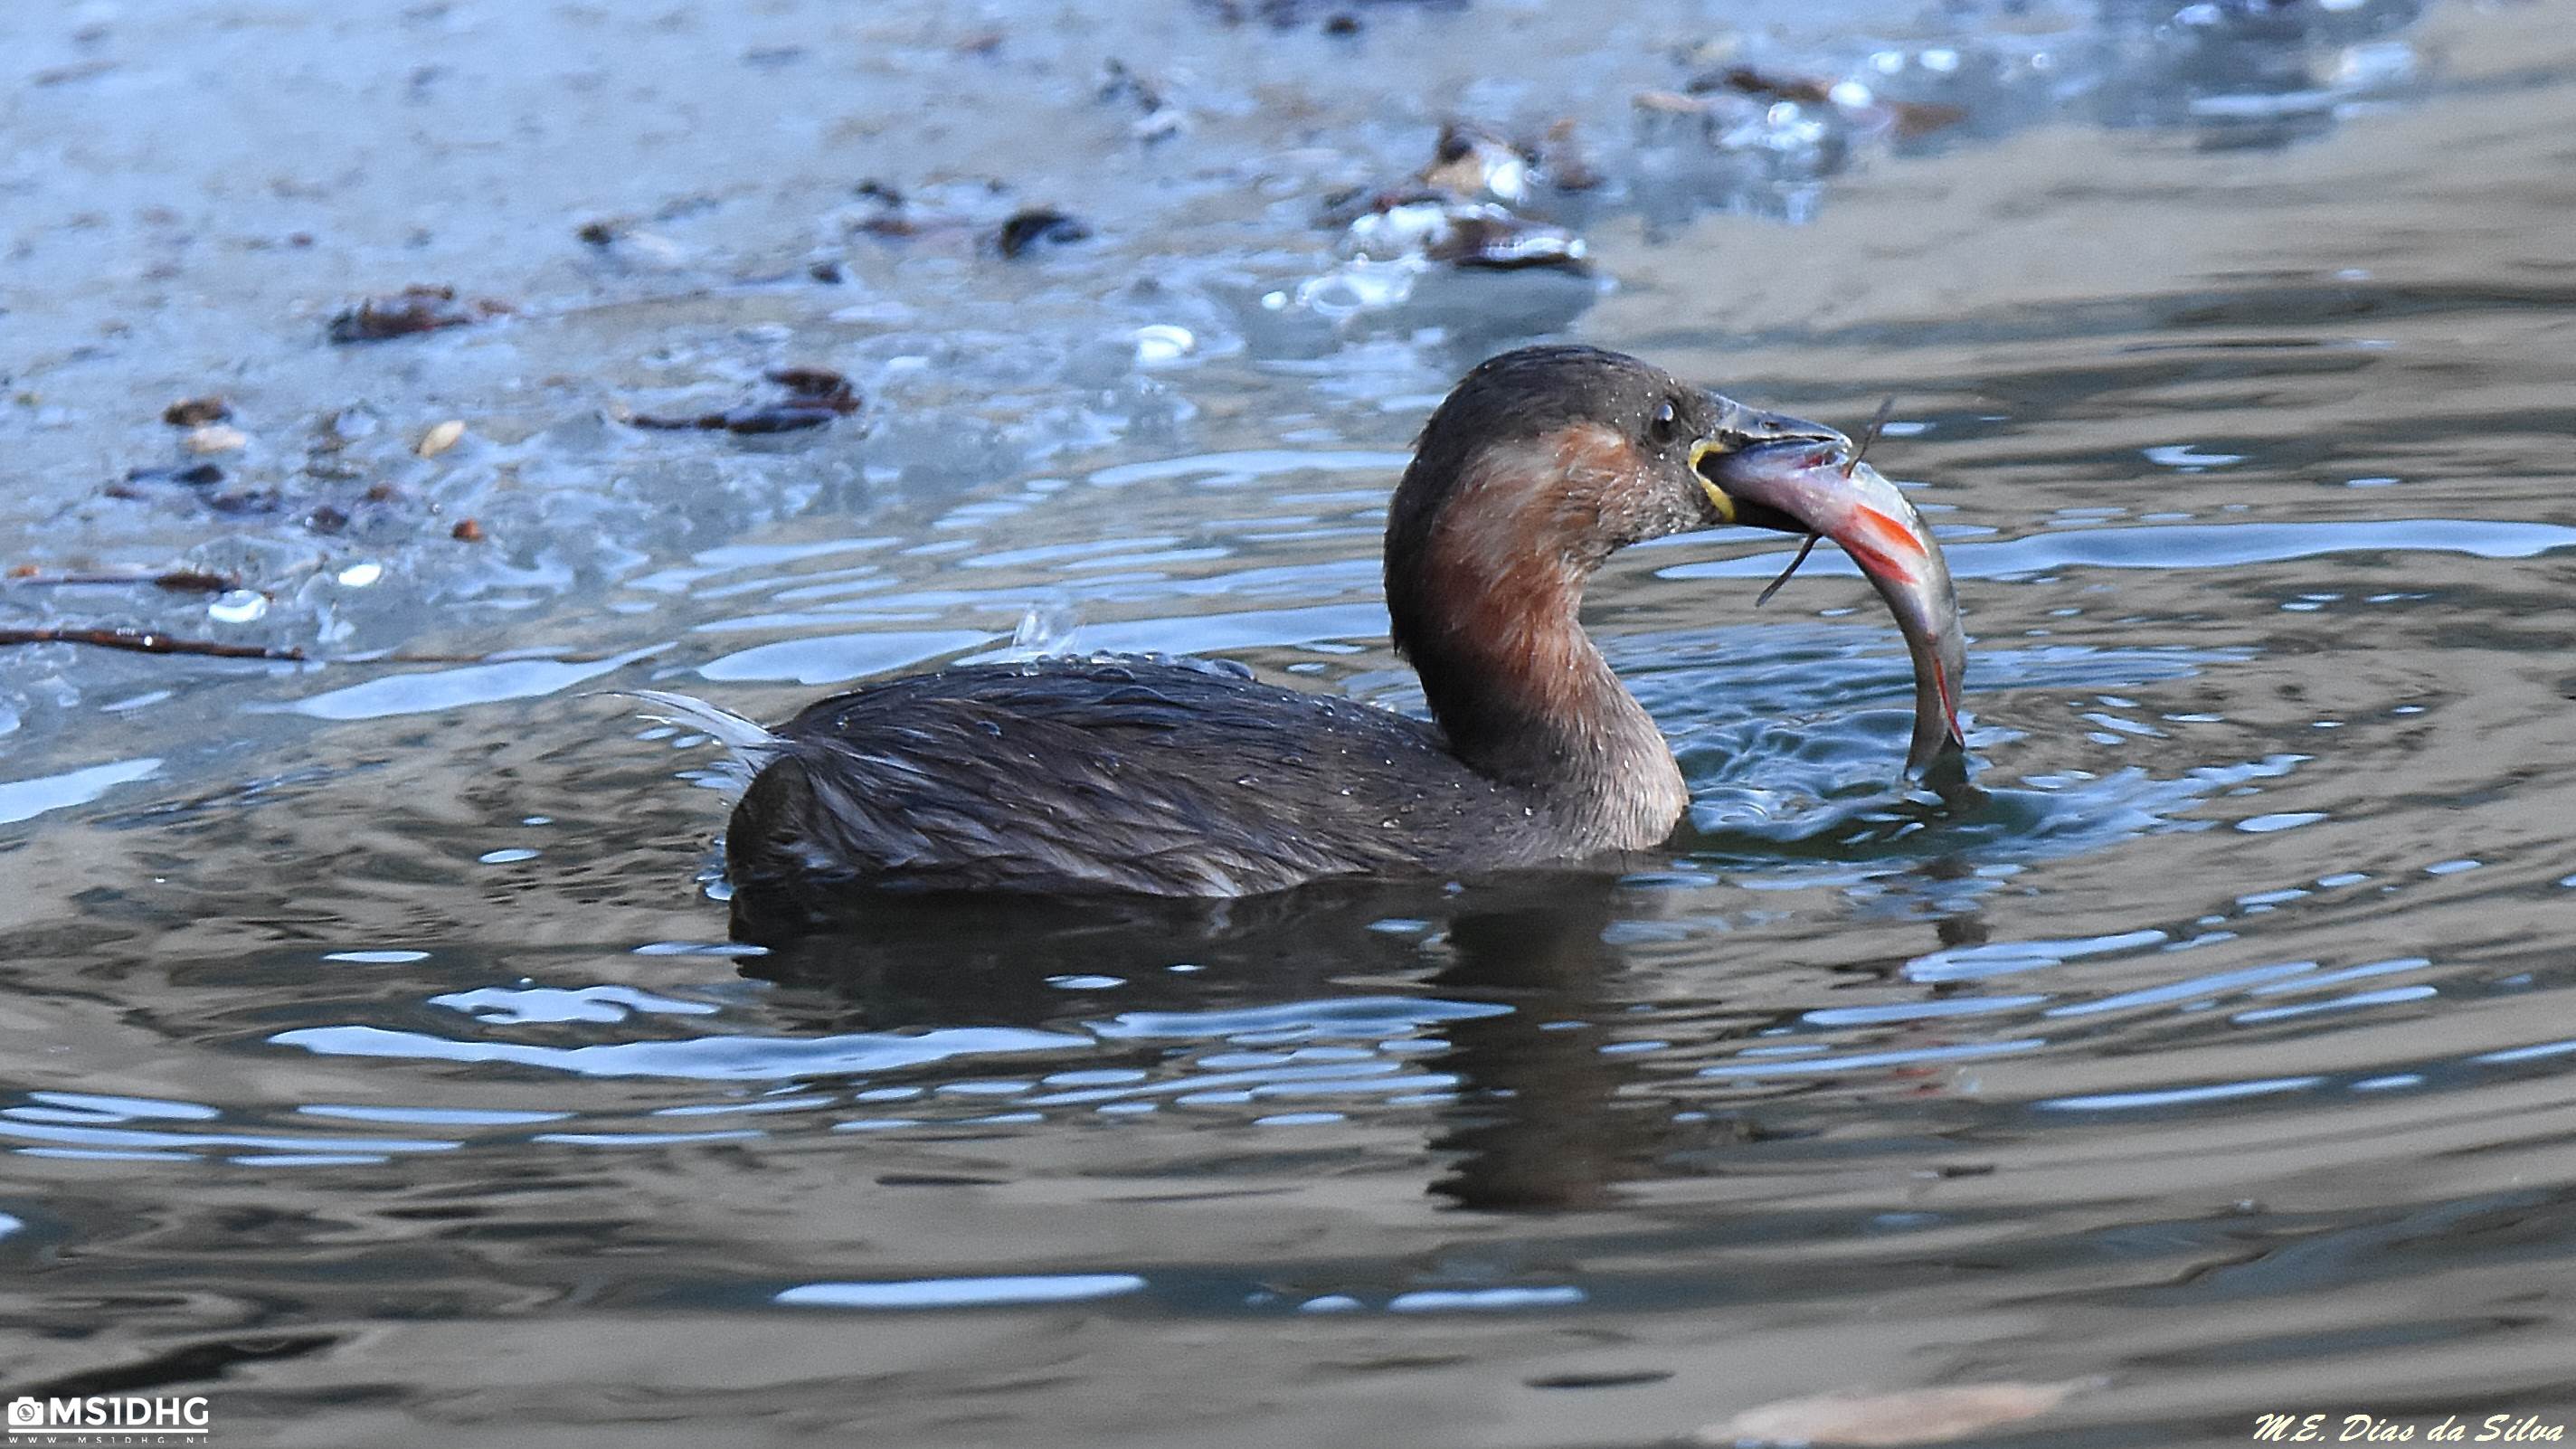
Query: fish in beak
pixel 1771 471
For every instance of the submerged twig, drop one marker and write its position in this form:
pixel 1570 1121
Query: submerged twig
pixel 177 581
pixel 146 641
pixel 149 641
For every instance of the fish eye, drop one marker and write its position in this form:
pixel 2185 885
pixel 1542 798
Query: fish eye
pixel 1665 423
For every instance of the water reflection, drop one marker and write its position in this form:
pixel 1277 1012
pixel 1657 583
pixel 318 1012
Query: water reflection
pixel 1510 991
pixel 1538 1123
pixel 1506 1030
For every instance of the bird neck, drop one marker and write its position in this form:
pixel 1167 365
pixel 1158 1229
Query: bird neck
pixel 1522 693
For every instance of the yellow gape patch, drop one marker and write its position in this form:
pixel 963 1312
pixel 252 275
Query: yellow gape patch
pixel 1717 498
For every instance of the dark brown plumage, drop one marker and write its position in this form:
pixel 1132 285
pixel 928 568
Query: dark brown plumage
pixel 1085 775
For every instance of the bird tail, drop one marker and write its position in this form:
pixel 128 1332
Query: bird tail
pixel 749 744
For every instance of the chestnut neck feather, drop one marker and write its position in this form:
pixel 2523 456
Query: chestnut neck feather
pixel 1485 574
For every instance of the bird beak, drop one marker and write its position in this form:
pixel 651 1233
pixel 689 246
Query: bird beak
pixel 1739 429
pixel 1777 472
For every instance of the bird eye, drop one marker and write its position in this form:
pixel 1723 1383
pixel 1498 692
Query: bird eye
pixel 1666 422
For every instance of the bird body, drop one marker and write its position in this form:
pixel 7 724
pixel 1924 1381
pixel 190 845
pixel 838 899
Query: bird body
pixel 1153 776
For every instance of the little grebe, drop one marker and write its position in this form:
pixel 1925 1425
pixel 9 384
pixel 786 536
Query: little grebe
pixel 1181 778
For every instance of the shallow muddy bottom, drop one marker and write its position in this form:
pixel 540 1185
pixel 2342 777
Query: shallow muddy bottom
pixel 373 1059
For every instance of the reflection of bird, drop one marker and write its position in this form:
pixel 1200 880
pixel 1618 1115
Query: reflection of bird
pixel 1189 779
pixel 909 961
pixel 1537 1123
pixel 1533 1116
